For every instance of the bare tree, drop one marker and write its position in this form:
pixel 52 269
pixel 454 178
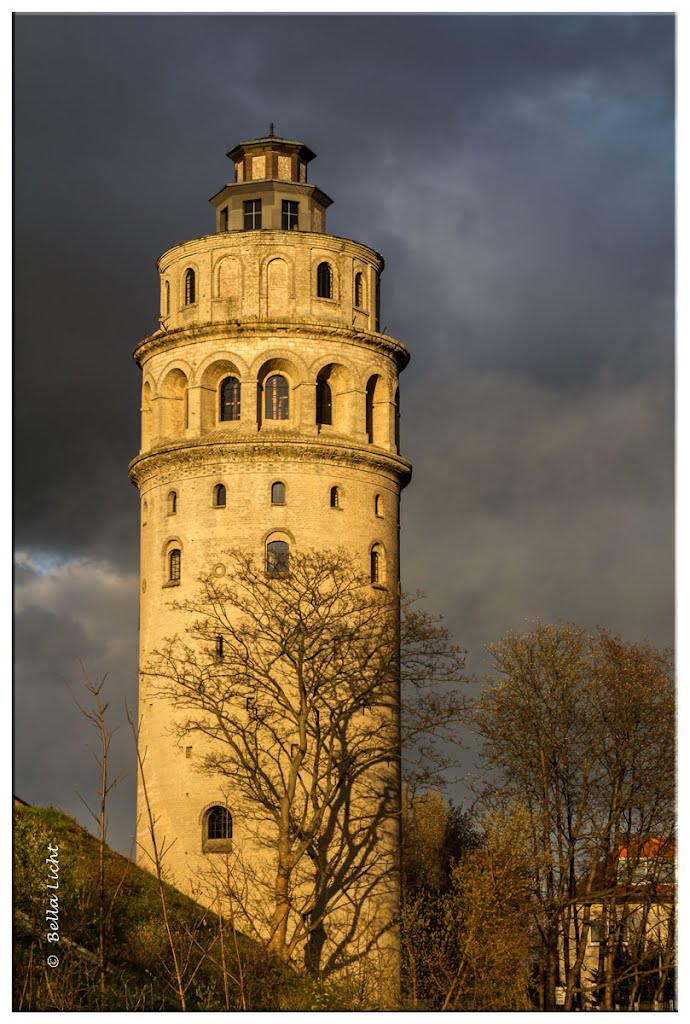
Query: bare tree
pixel 157 856
pixel 583 727
pixel 96 715
pixel 295 679
pixel 434 703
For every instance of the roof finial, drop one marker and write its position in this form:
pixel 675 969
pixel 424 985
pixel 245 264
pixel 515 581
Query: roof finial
pixel 270 130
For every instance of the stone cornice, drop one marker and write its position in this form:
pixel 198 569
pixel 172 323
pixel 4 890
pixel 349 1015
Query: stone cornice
pixel 248 448
pixel 263 186
pixel 270 329
pixel 266 237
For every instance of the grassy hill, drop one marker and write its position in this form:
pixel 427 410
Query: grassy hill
pixel 220 969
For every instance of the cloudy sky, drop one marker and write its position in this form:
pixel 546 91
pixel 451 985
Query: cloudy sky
pixel 517 173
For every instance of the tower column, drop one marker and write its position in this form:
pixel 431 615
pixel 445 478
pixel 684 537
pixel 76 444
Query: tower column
pixel 257 314
pixel 307 407
pixel 249 390
pixel 195 398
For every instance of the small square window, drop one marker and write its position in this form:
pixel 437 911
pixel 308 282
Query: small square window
pixel 290 215
pixel 252 215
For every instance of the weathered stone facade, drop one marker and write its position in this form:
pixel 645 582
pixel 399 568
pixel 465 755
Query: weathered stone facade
pixel 243 305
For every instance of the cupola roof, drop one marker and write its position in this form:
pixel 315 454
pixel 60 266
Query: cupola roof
pixel 270 143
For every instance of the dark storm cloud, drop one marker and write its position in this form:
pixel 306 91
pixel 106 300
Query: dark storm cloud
pixel 517 174
pixel 73 618
pixel 543 505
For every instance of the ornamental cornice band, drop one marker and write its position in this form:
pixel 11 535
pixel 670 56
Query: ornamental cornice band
pixel 235 240
pixel 198 452
pixel 159 341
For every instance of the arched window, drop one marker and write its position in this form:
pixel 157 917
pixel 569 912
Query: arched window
pixel 230 399
pixel 278 493
pixel 167 298
pixel 174 565
pixel 335 497
pixel 323 281
pixel 172 503
pixel 324 402
pixel 371 387
pixel 217 825
pixel 277 558
pixel 277 398
pixel 376 564
pixel 219 495
pixel 189 287
pixel 378 505
pixel 359 290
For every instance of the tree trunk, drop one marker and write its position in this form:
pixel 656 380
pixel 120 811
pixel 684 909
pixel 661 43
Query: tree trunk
pixel 314 948
pixel 607 999
pixel 551 973
pixel 281 912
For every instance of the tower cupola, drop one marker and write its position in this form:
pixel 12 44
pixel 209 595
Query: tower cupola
pixel 270 190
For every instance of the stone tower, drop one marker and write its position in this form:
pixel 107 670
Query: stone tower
pixel 270 423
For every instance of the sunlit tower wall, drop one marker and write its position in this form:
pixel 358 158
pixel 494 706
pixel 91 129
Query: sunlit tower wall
pixel 269 423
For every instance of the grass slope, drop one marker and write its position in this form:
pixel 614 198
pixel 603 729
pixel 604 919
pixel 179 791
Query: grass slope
pixel 220 969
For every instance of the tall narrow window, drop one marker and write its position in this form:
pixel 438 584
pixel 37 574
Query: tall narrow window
pixel 230 399
pixel 359 291
pixel 371 387
pixel 378 303
pixel 277 558
pixel 167 298
pixel 335 497
pixel 378 505
pixel 189 288
pixel 323 281
pixel 219 647
pixel 397 418
pixel 277 398
pixel 290 213
pixel 174 565
pixel 218 823
pixel 324 402
pixel 172 503
pixel 219 495
pixel 278 493
pixel 375 565
pixel 252 215
pixel 224 219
